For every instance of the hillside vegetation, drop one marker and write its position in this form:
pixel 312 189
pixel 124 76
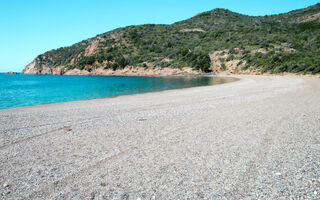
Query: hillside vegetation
pixel 218 40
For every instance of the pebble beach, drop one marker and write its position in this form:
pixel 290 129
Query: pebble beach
pixel 256 138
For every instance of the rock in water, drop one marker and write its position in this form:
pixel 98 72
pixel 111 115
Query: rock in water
pixel 11 72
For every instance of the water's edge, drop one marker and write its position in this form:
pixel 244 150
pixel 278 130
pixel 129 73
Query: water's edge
pixel 174 82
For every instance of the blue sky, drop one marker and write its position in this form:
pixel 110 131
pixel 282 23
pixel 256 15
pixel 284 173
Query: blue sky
pixel 31 27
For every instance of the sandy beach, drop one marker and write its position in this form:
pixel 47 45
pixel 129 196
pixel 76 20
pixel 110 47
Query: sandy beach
pixel 256 138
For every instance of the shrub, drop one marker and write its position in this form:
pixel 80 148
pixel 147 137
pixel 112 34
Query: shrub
pixel 223 67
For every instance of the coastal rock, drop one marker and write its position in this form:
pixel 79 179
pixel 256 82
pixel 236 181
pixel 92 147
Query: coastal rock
pixel 46 70
pixel 58 71
pixel 127 71
pixel 11 72
pixel 77 72
pixel 33 68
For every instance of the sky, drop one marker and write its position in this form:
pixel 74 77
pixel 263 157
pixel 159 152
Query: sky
pixel 31 27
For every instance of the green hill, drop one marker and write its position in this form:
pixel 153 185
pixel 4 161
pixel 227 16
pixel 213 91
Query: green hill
pixel 217 40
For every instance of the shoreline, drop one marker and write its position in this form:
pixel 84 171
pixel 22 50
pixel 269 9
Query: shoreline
pixel 182 74
pixel 150 72
pixel 106 97
pixel 256 137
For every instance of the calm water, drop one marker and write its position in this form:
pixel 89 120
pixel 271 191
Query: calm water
pixel 24 90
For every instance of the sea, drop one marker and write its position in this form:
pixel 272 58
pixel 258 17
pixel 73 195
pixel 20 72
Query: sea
pixel 26 90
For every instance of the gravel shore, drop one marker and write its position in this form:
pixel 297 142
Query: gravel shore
pixel 257 138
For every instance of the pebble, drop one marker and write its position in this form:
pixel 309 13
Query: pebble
pixel 67 128
pixel 278 174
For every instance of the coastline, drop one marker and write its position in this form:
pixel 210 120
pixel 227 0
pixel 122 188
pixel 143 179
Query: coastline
pixel 241 139
pixel 154 72
pixel 216 80
pixel 127 71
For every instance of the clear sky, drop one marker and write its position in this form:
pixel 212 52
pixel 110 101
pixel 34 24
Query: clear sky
pixel 31 27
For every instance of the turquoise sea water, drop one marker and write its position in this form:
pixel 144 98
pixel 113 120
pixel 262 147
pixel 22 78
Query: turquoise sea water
pixel 23 90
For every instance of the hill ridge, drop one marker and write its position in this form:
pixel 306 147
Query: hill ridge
pixel 216 40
